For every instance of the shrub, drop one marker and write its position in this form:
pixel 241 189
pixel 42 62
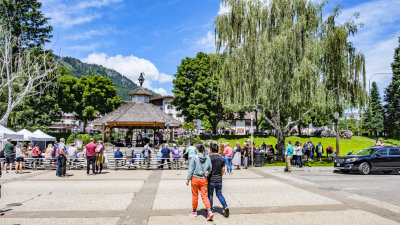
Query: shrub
pixel 328 133
pixel 346 134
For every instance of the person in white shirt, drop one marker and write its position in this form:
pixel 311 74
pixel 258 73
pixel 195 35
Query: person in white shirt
pixel 298 152
pixel 72 152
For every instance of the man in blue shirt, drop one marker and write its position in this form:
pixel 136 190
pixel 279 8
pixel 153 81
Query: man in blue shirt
pixel 166 155
pixel 288 156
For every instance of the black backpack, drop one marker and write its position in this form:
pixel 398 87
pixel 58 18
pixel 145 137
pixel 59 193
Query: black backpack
pixel 2 154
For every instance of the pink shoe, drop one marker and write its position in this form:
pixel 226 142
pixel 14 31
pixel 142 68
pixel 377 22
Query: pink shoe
pixel 192 213
pixel 210 216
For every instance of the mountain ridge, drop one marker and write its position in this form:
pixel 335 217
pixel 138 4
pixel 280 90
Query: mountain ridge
pixel 77 68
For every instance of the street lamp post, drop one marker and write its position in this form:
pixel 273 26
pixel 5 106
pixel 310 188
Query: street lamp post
pixel 75 130
pixel 252 147
pixel 336 116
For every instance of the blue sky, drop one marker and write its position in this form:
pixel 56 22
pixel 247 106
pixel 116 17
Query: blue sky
pixel 153 36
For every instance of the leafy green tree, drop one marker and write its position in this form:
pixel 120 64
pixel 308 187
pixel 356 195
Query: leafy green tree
pixel 287 59
pixel 88 96
pixel 392 98
pixel 373 121
pixel 196 90
pixel 25 21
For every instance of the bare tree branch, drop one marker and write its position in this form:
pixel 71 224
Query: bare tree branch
pixel 21 73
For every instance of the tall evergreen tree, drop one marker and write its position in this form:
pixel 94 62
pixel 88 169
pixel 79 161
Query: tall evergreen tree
pixel 392 98
pixel 373 121
pixel 25 21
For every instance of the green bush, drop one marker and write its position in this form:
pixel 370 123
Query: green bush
pixel 180 141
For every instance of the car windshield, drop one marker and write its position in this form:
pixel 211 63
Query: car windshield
pixel 367 151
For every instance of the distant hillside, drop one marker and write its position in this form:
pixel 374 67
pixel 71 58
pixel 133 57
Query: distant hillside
pixel 78 68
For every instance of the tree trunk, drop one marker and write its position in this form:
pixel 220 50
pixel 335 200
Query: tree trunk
pixel 214 129
pixel 280 145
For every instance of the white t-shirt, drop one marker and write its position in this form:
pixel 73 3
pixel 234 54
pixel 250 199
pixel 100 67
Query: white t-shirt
pixel 72 152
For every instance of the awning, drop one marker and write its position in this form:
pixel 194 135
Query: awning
pixel 28 136
pixel 43 136
pixel 7 133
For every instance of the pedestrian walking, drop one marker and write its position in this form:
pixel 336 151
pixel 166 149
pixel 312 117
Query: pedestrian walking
pixel 166 155
pixel 91 157
pixel 221 149
pixel 9 151
pixel 228 152
pixel 199 169
pixel 215 179
pixel 99 157
pixel 62 158
pixel 288 156
pixel 237 158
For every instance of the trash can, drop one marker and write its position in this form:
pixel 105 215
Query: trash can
pixel 258 159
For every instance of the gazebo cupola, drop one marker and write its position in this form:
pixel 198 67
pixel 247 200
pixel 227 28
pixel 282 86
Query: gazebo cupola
pixel 141 94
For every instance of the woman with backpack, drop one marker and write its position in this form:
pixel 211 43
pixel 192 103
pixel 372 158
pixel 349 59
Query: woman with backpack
pixel 199 169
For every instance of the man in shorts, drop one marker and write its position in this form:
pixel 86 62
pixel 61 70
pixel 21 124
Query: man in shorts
pixel 9 154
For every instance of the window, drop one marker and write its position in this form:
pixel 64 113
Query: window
pixel 395 151
pixel 169 107
pixel 383 152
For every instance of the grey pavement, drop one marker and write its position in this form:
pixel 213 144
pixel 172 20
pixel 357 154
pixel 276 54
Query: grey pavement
pixel 264 195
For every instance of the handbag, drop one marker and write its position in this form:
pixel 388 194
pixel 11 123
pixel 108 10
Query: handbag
pixel 205 172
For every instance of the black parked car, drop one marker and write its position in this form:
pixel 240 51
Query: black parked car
pixel 386 159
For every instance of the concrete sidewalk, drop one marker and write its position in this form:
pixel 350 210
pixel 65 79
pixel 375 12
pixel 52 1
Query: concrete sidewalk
pixel 262 195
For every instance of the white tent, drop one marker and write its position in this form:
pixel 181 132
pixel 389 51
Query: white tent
pixel 7 133
pixel 43 136
pixel 28 136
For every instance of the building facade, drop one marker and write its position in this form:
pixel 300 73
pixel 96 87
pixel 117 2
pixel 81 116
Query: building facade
pixel 164 104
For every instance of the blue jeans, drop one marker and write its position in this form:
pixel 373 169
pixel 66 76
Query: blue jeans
pixel 58 165
pixel 218 190
pixel 228 163
pixel 299 161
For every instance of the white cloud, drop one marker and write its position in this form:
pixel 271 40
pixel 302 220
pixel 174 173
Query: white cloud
pixel 85 48
pixel 87 35
pixel 223 9
pixel 131 67
pixel 74 13
pixel 161 91
pixel 378 38
pixel 165 78
pixel 206 43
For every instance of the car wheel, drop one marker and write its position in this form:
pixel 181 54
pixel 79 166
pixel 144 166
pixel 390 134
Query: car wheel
pixel 345 171
pixel 364 168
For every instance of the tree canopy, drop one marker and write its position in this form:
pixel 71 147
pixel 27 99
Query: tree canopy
pixel 196 90
pixel 373 120
pixel 286 59
pixel 392 98
pixel 88 96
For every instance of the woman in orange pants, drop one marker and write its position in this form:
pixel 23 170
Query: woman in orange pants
pixel 199 169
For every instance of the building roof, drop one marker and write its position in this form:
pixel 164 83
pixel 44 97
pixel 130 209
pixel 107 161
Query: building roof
pixel 140 91
pixel 137 114
pixel 162 97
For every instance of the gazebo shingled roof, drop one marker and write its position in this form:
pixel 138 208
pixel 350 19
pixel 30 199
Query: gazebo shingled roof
pixel 138 114
pixel 140 91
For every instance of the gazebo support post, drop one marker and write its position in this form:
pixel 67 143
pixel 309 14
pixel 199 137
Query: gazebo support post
pixel 103 133
pixel 171 134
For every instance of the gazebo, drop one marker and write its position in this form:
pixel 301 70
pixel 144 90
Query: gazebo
pixel 138 115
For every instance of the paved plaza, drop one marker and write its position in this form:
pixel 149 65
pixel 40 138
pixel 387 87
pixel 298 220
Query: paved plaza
pixel 255 196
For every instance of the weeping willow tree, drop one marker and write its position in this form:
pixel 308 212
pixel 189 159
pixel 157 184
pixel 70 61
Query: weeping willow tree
pixel 283 57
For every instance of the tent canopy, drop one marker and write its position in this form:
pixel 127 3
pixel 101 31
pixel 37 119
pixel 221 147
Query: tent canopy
pixel 29 136
pixel 7 133
pixel 43 136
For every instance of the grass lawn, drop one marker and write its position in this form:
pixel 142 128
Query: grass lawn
pixel 346 145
